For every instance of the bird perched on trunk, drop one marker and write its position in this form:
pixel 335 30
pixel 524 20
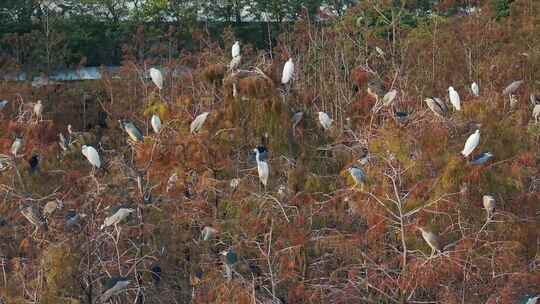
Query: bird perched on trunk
pixel 454 98
pixel 118 215
pixel 262 168
pixel 114 286
pixel 288 72
pixel 38 110
pixel 489 204
pixel 471 143
pixel 437 106
pixel 133 132
pixel 157 78
pixel 16 146
pixel 34 216
pixel 156 123
pixel 325 120
pixel 475 89
pixel 431 239
pixel 198 122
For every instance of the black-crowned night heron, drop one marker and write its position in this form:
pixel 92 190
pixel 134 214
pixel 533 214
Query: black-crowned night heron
pixel 471 143
pixel 133 132
pixel 33 163
pixel 475 89
pixel 288 71
pixel 117 216
pixel 91 155
pixel 155 121
pixel 358 175
pixel 16 146
pixel 198 122
pixel 437 106
pixel 262 167
pixel 297 117
pixel 454 98
pixel 431 239
pixel 512 88
pixel 114 286
pixel 389 97
pixel 325 120
pixel 489 204
pixel 157 77
pixel 482 158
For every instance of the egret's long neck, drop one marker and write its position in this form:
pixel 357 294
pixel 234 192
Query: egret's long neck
pixel 257 156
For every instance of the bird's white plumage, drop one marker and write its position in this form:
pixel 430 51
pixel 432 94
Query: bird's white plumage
pixel 454 98
pixel 325 120
pixel 471 143
pixel 157 77
pixel 533 300
pixel 198 122
pixel 235 62
pixel 38 109
pixel 92 155
pixel 16 146
pixel 536 113
pixel 389 97
pixel 288 71
pixel 235 50
pixel 512 88
pixel 117 217
pixel 475 89
pixel 489 203
pixel 156 123
pixel 262 168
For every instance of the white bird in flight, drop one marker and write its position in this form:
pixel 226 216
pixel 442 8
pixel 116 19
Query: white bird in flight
pixel 157 77
pixel 454 98
pixel 198 122
pixel 288 71
pixel 325 120
pixel 156 123
pixel 471 143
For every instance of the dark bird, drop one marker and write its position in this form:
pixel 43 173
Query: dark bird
pixel 482 158
pixel 114 286
pixel 156 274
pixel 34 163
pixel 102 119
pixel 263 155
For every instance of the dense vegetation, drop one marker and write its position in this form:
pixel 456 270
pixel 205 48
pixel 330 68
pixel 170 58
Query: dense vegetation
pixel 311 235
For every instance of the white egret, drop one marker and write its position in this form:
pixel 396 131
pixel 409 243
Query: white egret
pixel 117 217
pixel 489 204
pixel 389 97
pixel 475 89
pixel 288 72
pixel 157 77
pixel 235 63
pixel 92 155
pixel 198 122
pixel 325 120
pixel 16 146
pixel 156 123
pixel 454 98
pixel 262 168
pixel 431 239
pixel 114 286
pixel 512 88
pixel 38 110
pixel 471 143
pixel 437 106
pixel 536 113
pixel 235 50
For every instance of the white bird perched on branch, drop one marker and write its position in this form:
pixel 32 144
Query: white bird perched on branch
pixel 156 123
pixel 157 77
pixel 114 286
pixel 235 50
pixel 489 204
pixel 38 110
pixel 92 155
pixel 389 97
pixel 262 168
pixel 475 89
pixel 325 120
pixel 117 217
pixel 471 143
pixel 454 98
pixel 437 106
pixel 16 146
pixel 431 239
pixel 512 88
pixel 198 122
pixel 536 113
pixel 288 71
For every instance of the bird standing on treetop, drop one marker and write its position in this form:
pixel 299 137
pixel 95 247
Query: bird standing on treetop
pixel 325 120
pixel 475 89
pixel 156 123
pixel 454 98
pixel 358 175
pixel 198 122
pixel 92 155
pixel 471 143
pixel 288 71
pixel 16 146
pixel 262 168
pixel 157 78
